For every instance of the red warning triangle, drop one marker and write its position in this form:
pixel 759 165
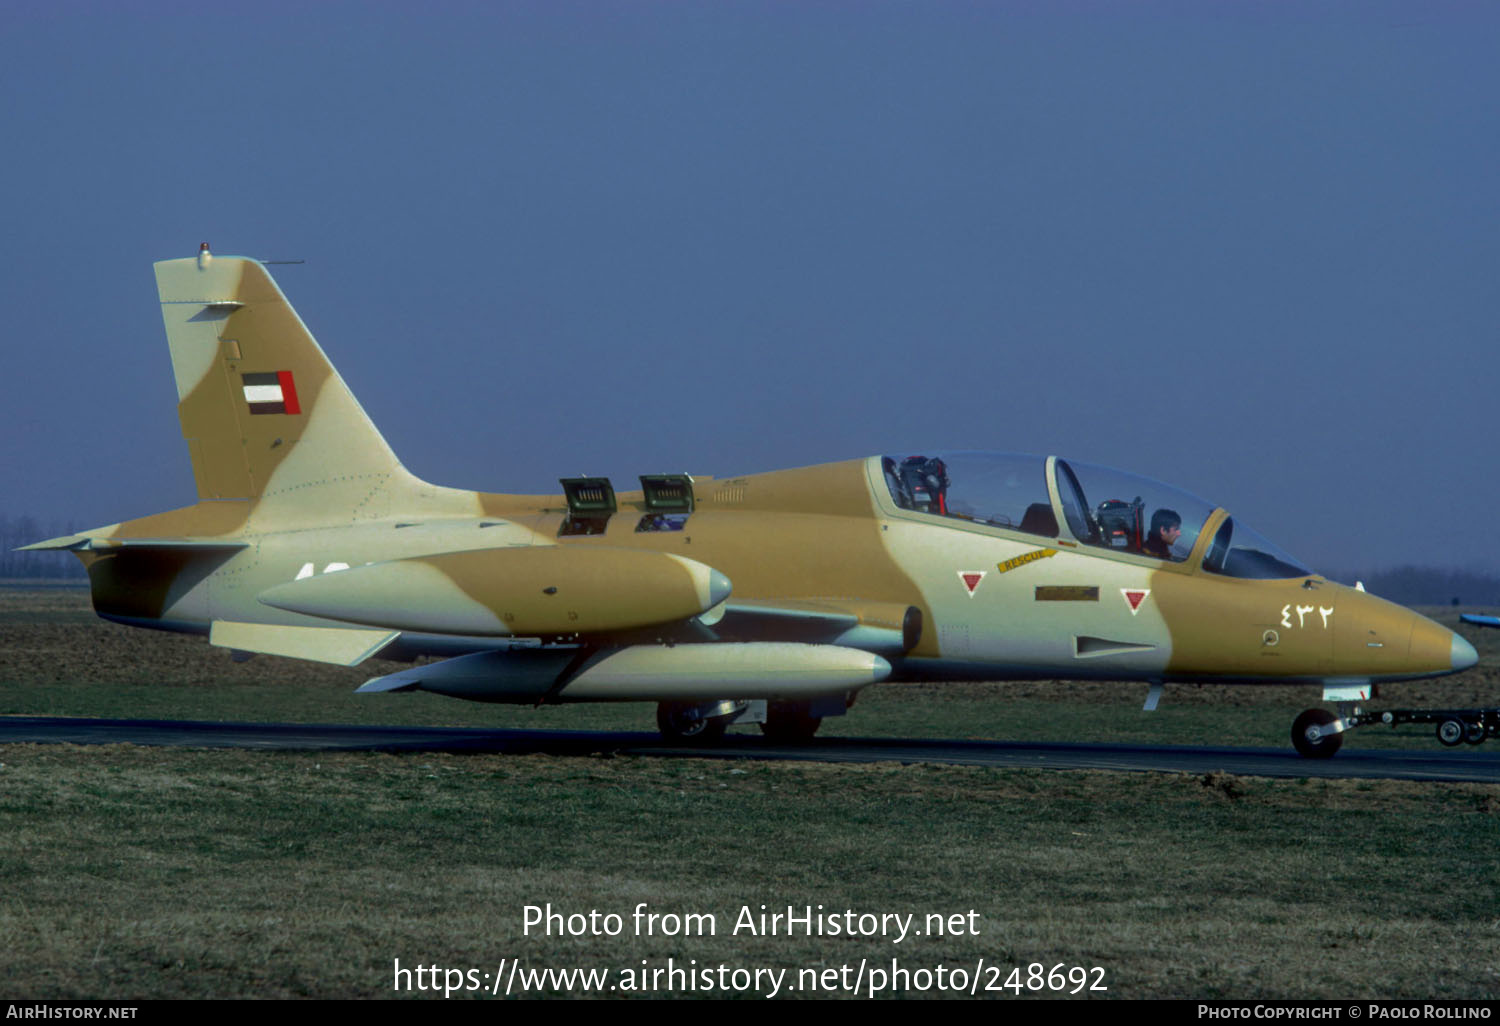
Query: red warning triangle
pixel 1134 597
pixel 971 579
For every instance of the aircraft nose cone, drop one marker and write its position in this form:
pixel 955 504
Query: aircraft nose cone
pixel 1464 655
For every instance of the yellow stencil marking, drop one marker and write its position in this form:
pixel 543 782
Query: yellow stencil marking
pixel 1022 560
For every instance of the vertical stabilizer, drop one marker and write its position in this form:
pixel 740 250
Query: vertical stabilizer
pixel 265 415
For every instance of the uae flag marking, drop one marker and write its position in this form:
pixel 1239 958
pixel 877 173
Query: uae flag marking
pixel 1134 597
pixel 275 392
pixel 971 579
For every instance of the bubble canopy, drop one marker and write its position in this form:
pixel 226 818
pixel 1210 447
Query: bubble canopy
pixel 1097 506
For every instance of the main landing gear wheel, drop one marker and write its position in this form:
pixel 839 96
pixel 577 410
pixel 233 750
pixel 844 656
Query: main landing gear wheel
pixel 684 721
pixel 790 721
pixel 1324 745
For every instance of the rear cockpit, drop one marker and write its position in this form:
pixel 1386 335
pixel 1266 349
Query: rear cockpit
pixel 1049 497
pixel 1006 490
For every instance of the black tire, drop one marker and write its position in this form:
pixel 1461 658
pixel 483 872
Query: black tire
pixel 1450 733
pixel 790 721
pixel 1325 746
pixel 679 721
pixel 1475 733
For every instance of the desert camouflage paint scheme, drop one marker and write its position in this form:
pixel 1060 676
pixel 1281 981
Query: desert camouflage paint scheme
pixel 771 597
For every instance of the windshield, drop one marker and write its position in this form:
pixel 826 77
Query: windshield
pixel 1239 551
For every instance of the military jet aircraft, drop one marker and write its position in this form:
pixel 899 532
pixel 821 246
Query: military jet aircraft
pixel 770 598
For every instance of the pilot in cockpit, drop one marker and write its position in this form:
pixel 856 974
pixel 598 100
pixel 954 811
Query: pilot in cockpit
pixel 1166 528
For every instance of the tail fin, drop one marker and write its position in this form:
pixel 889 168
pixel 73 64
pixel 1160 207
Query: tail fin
pixel 265 415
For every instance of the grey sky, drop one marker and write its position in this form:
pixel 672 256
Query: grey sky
pixel 1249 249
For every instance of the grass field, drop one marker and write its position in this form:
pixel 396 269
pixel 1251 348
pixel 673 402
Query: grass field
pixel 131 872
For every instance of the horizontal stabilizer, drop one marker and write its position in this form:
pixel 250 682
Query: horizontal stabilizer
pixel 343 646
pixel 87 543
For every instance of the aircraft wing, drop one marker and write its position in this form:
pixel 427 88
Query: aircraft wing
pixel 337 645
pixel 1480 620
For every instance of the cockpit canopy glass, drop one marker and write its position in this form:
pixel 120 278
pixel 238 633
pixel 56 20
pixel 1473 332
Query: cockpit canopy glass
pixel 1117 510
pixel 996 489
pixel 1239 551
pixel 1104 507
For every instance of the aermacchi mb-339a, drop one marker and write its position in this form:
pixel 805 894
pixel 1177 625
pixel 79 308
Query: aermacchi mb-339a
pixel 770 598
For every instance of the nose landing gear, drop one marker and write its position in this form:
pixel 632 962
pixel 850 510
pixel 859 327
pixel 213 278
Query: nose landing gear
pixel 1317 733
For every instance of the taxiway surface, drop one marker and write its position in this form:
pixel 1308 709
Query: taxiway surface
pixel 1465 764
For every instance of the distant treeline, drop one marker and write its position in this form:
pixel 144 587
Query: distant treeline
pixel 1429 586
pixel 18 531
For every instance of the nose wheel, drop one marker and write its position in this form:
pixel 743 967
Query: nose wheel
pixel 1311 736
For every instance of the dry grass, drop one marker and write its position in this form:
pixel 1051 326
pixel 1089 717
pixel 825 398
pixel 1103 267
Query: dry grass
pixel 138 872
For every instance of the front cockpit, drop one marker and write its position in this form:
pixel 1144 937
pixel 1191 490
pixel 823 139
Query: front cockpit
pixel 1280 622
pixel 1049 497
